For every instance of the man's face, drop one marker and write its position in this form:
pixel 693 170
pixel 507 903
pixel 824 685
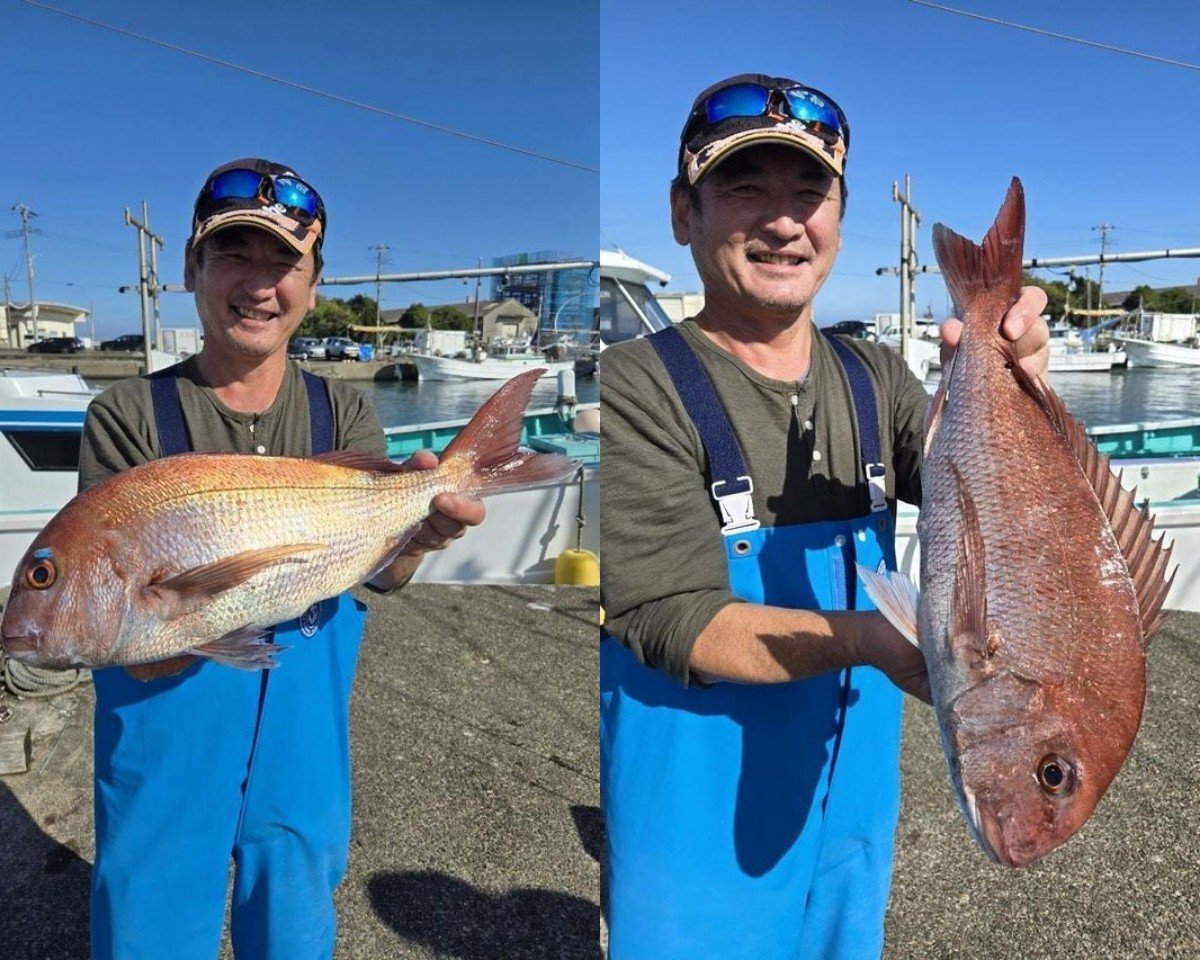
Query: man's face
pixel 252 292
pixel 765 233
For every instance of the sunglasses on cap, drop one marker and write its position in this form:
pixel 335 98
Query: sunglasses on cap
pixel 813 109
pixel 292 193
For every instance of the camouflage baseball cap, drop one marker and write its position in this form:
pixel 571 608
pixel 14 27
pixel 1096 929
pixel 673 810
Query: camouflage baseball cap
pixel 753 108
pixel 264 194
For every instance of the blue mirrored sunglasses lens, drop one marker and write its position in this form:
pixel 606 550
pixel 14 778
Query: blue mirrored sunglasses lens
pixel 241 184
pixel 295 193
pixel 744 100
pixel 812 108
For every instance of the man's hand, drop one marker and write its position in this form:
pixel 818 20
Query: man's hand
pixel 451 516
pixel 1023 325
pixel 881 646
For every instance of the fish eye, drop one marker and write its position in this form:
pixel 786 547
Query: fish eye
pixel 1055 775
pixel 41 575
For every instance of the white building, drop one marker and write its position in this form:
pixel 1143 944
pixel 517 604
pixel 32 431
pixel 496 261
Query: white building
pixel 680 306
pixel 53 320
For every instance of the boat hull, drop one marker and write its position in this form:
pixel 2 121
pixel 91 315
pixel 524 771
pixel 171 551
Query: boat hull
pixel 449 368
pixel 1148 353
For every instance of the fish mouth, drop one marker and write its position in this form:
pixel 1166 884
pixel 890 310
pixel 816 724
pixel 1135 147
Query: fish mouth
pixel 20 646
pixel 985 826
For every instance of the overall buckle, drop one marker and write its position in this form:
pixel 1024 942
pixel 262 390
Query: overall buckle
pixel 877 486
pixel 737 509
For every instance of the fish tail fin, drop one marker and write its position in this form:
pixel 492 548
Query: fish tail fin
pixel 991 270
pixel 490 443
pixel 896 597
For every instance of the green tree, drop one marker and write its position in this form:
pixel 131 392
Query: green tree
pixel 416 315
pixel 1175 300
pixel 1139 296
pixel 329 318
pixel 364 308
pixel 450 318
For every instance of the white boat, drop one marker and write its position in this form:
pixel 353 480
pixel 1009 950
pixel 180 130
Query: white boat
pixel 41 420
pixel 502 362
pixel 923 356
pixel 1152 353
pixel 627 305
pixel 1069 353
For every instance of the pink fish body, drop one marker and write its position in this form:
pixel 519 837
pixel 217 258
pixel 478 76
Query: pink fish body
pixel 1040 584
pixel 201 553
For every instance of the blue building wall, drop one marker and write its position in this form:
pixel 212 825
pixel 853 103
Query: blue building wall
pixel 564 300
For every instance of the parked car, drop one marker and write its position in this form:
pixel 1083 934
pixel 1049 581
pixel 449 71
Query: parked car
pixel 341 348
pixel 858 329
pixel 56 345
pixel 127 341
pixel 306 348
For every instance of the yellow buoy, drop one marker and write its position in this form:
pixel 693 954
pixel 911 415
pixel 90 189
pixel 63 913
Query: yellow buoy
pixel 577 568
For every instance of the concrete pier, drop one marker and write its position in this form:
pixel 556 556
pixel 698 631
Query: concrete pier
pixel 476 806
pixel 477 824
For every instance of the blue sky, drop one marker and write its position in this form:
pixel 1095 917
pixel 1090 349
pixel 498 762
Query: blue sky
pixel 959 104
pixel 96 122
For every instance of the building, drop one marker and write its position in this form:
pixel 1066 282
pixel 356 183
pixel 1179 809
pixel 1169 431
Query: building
pixel 499 319
pixel 53 320
pixel 564 301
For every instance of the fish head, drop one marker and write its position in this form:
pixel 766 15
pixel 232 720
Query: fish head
pixel 69 598
pixel 1027 774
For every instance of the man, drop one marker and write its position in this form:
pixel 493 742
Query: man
pixel 749 463
pixel 197 762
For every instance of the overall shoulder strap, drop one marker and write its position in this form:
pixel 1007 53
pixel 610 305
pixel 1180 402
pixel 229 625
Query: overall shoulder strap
pixel 168 413
pixel 320 413
pixel 862 392
pixel 731 486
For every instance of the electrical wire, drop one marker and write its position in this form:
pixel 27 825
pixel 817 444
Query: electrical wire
pixel 441 128
pixel 1057 36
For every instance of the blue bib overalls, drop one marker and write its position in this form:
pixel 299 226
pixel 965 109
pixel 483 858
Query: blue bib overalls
pixel 217 762
pixel 749 821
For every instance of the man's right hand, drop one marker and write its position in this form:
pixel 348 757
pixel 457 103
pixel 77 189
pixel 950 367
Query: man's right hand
pixel 881 646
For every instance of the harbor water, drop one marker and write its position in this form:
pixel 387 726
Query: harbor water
pixel 405 402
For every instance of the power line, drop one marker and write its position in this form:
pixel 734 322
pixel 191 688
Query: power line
pixel 313 90
pixel 1057 36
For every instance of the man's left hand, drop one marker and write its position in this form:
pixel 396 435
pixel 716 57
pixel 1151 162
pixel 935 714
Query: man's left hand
pixel 451 516
pixel 1023 325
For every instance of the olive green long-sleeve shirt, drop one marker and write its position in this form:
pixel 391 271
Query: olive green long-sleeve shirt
pixel 664 573
pixel 120 431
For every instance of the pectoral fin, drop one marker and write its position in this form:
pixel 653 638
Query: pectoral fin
pixel 176 595
pixel 968 613
pixel 247 649
pixel 896 597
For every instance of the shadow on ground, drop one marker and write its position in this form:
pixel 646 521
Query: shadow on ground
pixel 43 890
pixel 461 921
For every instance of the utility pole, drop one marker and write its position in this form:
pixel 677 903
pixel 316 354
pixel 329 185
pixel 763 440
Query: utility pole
pixel 155 243
pixel 909 220
pixel 380 249
pixel 144 280
pixel 25 213
pixel 1103 228
pixel 8 323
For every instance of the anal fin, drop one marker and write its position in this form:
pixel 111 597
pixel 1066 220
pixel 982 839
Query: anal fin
pixel 896 597
pixel 247 649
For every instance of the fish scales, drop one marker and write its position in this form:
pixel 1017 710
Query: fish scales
pixel 200 552
pixel 1040 584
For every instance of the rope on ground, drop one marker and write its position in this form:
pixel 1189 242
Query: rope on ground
pixel 26 681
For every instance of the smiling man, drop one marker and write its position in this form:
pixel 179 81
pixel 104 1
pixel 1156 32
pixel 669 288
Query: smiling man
pixel 199 764
pixel 750 696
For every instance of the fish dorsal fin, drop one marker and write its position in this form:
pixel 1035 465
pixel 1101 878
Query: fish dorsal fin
pixel 992 269
pixel 357 460
pixel 1146 558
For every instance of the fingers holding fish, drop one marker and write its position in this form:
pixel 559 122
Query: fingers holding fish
pixel 881 646
pixel 1022 324
pixel 452 515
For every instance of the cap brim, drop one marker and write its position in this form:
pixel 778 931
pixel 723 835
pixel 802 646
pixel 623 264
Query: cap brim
pixel 297 236
pixel 831 156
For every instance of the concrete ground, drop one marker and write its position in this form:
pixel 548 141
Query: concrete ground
pixel 477 825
